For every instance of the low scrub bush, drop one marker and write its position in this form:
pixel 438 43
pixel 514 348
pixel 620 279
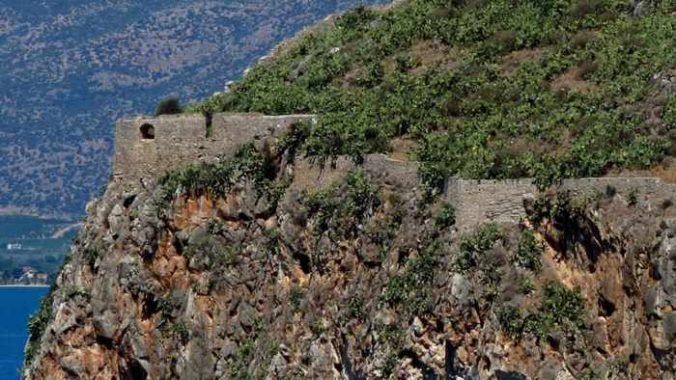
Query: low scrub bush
pixel 560 308
pixel 168 106
pixel 473 246
pixel 529 252
pixel 339 210
pixel 412 290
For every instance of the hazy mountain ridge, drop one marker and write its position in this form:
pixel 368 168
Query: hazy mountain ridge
pixel 72 68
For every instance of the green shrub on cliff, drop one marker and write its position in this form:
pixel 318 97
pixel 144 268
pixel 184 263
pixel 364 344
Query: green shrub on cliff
pixel 560 308
pixel 218 178
pixel 557 89
pixel 36 327
pixel 339 210
pixel 529 252
pixel 411 290
pixel 446 217
pixel 168 106
pixel 473 246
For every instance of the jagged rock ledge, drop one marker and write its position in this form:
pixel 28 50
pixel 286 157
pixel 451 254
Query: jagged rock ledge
pixel 349 274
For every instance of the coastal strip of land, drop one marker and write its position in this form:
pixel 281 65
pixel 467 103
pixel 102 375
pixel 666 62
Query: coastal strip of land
pixel 24 286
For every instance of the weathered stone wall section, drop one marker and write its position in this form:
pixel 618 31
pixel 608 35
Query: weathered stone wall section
pixel 181 139
pixel 477 202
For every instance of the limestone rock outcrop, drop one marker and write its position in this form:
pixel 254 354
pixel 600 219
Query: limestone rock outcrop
pixel 351 272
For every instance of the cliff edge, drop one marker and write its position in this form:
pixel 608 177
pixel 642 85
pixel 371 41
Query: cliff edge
pixel 264 265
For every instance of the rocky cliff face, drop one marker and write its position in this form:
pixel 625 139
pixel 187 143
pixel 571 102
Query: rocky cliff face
pixel 289 271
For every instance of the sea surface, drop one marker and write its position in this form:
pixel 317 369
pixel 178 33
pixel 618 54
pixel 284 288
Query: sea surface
pixel 16 306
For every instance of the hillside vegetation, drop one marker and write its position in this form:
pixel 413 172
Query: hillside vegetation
pixel 481 89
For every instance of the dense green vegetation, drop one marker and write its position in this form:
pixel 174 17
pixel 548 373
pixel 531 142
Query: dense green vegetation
pixel 340 215
pixel 529 252
pixel 560 308
pixel 411 290
pixel 472 247
pixel 560 88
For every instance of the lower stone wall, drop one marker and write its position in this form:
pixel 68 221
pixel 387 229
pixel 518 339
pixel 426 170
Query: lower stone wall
pixel 481 201
pixel 478 202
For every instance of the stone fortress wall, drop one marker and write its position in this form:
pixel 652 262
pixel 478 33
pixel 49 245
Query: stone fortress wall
pixel 480 201
pixel 147 147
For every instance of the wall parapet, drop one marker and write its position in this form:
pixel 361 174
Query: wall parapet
pixel 146 147
pixel 502 201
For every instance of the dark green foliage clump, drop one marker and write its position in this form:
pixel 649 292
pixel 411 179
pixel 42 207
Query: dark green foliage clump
pixel 74 293
pixel 339 210
pixel 569 221
pixel 240 363
pixel 559 209
pixel 473 246
pixel 296 295
pixel 180 330
pixel 391 339
pixel 92 252
pixel 217 179
pixel 36 327
pixel 168 106
pixel 632 198
pixel 446 217
pixel 382 231
pixel 511 321
pixel 412 290
pixel 292 142
pixel 560 308
pixel 212 252
pixel 529 252
pixel 563 306
pixel 369 81
pixel 168 306
pixel 354 309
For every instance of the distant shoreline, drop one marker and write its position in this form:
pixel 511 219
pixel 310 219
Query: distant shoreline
pixel 23 286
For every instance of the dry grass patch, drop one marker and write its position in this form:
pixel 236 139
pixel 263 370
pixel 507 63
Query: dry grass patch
pixel 573 80
pixel 666 171
pixel 512 61
pixel 427 53
pixel 403 148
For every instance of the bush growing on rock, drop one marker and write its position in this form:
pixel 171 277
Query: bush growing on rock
pixel 168 106
pixel 446 217
pixel 37 325
pixel 559 308
pixel 473 246
pixel 529 252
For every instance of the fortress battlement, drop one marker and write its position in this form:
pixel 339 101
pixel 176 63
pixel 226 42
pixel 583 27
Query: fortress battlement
pixel 146 147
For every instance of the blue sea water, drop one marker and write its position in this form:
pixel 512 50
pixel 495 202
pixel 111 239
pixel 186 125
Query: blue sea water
pixel 16 306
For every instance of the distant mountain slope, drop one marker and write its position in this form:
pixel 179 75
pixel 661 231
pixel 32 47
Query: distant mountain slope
pixel 70 68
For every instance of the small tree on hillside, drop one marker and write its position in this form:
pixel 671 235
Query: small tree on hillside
pixel 168 106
